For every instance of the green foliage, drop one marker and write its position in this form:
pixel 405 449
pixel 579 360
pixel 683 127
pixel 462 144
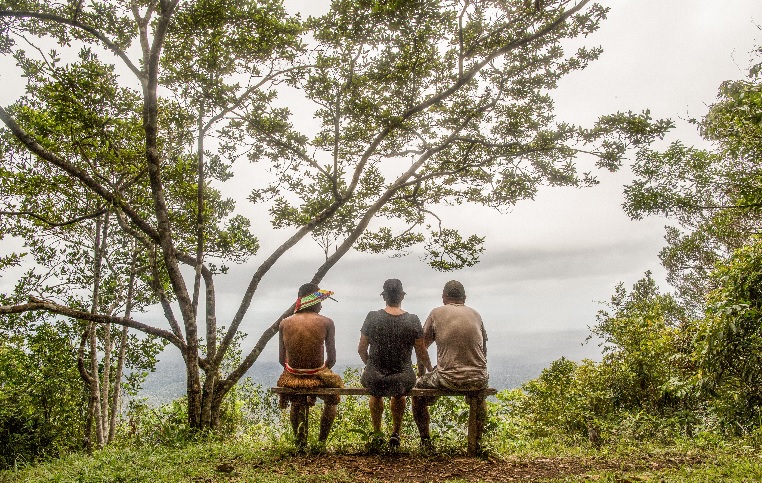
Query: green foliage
pixel 424 104
pixel 714 195
pixel 560 401
pixel 42 399
pixel 647 338
pixel 448 251
pixel 643 389
pixel 249 411
pixel 714 257
pixel 729 341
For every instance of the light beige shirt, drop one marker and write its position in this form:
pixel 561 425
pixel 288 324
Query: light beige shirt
pixel 458 332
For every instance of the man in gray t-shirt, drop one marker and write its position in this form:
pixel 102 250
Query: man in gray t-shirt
pixel 461 340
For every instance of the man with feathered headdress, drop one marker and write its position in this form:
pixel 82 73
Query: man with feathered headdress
pixel 307 352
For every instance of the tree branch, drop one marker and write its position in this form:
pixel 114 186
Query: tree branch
pixel 72 22
pixel 36 304
pixel 34 147
pixel 52 224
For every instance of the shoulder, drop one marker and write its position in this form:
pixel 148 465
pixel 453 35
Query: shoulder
pixel 472 317
pixel 288 320
pixel 473 311
pixel 412 318
pixel 437 311
pixel 372 316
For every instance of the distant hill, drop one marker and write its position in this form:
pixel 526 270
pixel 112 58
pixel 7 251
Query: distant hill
pixel 513 358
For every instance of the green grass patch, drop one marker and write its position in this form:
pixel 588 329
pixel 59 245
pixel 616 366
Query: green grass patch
pixel 252 460
pixel 209 461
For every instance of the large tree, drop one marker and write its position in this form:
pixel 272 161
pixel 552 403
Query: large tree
pixel 79 257
pixel 420 104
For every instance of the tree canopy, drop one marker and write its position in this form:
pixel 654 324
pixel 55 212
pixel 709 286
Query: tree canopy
pixel 420 104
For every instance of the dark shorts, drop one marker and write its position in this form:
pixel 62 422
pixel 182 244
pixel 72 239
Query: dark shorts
pixel 387 385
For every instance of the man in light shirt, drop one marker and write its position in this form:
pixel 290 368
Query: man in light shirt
pixel 461 340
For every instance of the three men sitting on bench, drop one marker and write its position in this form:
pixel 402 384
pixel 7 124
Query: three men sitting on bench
pixel 457 330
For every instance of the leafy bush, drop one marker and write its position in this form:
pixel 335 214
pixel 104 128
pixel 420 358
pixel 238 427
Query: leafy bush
pixel 729 342
pixel 643 389
pixel 42 399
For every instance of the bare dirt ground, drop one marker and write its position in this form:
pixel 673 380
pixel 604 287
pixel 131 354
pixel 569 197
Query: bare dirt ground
pixel 414 468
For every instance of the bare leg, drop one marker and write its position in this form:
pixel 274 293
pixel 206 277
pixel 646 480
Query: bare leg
pixel 376 405
pixel 326 420
pixel 299 418
pixel 421 417
pixel 397 405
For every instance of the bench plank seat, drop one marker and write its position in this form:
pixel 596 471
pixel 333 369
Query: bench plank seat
pixel 361 391
pixel 477 413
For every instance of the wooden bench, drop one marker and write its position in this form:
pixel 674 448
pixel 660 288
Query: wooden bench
pixel 477 414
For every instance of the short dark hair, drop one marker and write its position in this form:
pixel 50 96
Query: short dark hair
pixel 307 289
pixel 454 290
pixel 393 293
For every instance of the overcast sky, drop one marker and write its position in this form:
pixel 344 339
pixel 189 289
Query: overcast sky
pixel 549 261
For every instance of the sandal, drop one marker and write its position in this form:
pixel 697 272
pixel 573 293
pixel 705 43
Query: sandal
pixel 394 441
pixel 427 447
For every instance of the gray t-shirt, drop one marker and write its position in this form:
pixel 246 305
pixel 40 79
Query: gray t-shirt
pixel 458 332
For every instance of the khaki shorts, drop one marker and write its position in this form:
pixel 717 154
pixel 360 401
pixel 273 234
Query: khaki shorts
pixel 432 380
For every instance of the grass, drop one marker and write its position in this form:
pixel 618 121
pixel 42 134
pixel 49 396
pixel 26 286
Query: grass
pixel 252 459
pixel 719 468
pixel 204 461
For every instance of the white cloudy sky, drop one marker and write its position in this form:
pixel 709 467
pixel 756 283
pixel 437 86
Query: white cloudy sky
pixel 549 261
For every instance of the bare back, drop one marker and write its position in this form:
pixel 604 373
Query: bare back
pixel 307 340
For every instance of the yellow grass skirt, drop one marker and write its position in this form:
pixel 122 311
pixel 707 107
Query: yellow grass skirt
pixel 323 378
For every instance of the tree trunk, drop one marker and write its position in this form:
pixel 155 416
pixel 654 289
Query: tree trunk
pixel 88 440
pixel 93 378
pixel 193 388
pixel 116 393
pixel 95 387
pixel 106 382
pixel 207 408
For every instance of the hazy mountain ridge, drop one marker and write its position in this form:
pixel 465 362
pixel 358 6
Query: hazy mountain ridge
pixel 513 358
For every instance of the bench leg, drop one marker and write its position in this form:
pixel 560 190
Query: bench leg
pixel 477 415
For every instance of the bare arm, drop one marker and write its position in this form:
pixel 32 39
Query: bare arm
pixel 427 342
pixel 422 355
pixel 484 340
pixel 281 349
pixel 362 348
pixel 428 332
pixel 330 344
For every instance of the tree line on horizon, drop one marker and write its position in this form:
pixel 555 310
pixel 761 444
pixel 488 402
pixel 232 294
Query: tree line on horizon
pixel 117 157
